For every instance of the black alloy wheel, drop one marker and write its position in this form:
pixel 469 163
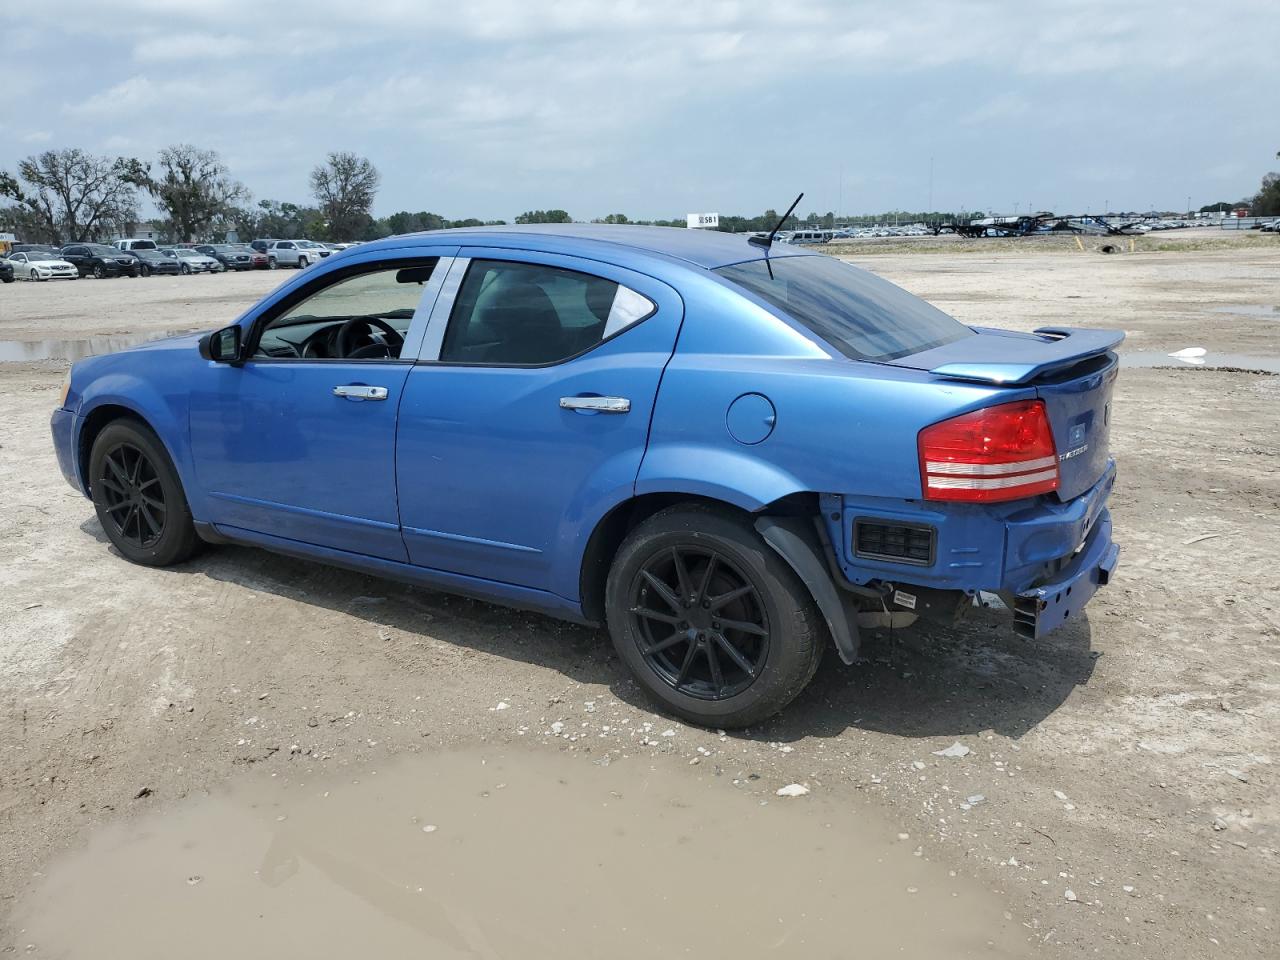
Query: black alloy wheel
pixel 700 622
pixel 133 496
pixel 138 496
pixel 712 623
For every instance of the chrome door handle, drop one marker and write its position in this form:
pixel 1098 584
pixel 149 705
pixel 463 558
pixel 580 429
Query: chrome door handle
pixel 358 391
pixel 599 404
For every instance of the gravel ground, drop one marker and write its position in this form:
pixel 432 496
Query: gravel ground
pixel 1119 791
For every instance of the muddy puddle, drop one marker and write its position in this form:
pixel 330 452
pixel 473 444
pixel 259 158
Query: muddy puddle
pixel 516 855
pixel 1211 360
pixel 25 350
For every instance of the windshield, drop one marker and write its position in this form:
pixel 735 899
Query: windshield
pixel 98 250
pixel 34 255
pixel 856 312
pixel 188 254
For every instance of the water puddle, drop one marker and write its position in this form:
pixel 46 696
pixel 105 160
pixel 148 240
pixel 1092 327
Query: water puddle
pixel 1210 360
pixel 1250 310
pixel 12 351
pixel 507 855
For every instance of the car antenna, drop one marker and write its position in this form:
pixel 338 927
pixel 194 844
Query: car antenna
pixel 766 242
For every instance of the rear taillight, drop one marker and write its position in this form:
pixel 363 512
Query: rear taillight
pixel 1003 452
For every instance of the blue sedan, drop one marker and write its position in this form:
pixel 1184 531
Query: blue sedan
pixel 732 453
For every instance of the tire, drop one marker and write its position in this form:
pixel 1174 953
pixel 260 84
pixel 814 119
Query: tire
pixel 776 657
pixel 303 262
pixel 128 465
pixel 145 271
pixel 99 273
pixel 185 270
pixel 271 264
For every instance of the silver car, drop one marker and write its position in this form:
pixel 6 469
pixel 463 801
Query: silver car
pixel 193 261
pixel 296 253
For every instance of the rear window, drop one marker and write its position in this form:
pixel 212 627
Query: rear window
pixel 856 312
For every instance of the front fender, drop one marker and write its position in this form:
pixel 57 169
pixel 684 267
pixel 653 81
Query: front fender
pixel 166 415
pixel 741 478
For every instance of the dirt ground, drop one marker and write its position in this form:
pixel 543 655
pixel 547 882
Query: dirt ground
pixel 1120 797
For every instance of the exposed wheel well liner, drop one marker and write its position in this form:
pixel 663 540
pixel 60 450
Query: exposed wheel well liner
pixel 626 516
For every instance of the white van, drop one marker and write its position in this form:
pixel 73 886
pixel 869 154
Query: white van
pixel 134 244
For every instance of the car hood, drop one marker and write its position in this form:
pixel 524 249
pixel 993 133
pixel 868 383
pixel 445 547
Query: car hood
pixel 52 263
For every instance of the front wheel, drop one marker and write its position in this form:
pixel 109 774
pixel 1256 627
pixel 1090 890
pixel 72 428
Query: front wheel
pixel 302 263
pixel 185 270
pixel 713 623
pixel 99 273
pixel 138 496
pixel 272 264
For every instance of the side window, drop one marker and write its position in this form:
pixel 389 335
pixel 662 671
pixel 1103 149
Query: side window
pixel 360 317
pixel 527 314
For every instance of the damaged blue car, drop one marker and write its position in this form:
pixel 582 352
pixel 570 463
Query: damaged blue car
pixel 725 450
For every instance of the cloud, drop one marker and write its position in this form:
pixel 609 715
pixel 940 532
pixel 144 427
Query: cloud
pixel 36 136
pixel 491 106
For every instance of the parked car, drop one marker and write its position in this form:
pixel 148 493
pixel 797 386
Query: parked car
pixel 100 260
pixel 152 262
pixel 725 451
pixel 6 270
pixel 135 244
pixel 232 256
pixel 295 253
pixel 192 261
pixel 38 265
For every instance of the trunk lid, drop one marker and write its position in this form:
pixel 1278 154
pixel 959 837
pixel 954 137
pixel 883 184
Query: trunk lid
pixel 1072 370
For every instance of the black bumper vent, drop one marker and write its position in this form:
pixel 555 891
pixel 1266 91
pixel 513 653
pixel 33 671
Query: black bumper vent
pixel 895 542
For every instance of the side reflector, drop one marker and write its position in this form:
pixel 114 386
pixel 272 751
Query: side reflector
pixel 1005 452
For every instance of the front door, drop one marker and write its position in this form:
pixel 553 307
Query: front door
pixel 529 414
pixel 299 441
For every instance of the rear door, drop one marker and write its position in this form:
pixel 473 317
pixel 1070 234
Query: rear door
pixel 529 413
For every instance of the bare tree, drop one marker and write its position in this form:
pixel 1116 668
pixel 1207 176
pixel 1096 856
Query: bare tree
pixel 345 186
pixel 194 189
pixel 69 195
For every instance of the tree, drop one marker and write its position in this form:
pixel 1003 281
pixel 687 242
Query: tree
pixel 194 189
pixel 68 195
pixel 1267 202
pixel 345 186
pixel 1221 207
pixel 544 216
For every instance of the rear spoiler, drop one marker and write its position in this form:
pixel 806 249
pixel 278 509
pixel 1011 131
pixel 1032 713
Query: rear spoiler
pixel 1021 359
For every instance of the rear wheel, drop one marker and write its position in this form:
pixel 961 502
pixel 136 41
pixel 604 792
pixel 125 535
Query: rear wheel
pixel 712 623
pixel 138 496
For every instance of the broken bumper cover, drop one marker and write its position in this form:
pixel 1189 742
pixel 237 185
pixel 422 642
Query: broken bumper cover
pixel 1042 609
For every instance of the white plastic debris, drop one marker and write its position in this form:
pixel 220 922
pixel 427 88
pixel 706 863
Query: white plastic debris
pixel 1189 352
pixel 1071 896
pixel 957 749
pixel 918 764
pixel 557 728
pixel 429 828
pixel 1060 795
pixel 793 790
pixel 502 705
pixel 976 799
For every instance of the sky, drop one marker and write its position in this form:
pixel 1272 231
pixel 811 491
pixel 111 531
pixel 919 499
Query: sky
pixel 486 108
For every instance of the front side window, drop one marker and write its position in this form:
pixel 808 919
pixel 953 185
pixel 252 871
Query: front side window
pixel 360 317
pixel 856 312
pixel 528 314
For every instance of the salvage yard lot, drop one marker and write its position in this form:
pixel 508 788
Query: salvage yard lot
pixel 1129 759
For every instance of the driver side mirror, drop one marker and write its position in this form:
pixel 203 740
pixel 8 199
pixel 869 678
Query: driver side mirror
pixel 222 346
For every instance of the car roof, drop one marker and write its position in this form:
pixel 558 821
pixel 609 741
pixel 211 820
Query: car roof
pixel 705 248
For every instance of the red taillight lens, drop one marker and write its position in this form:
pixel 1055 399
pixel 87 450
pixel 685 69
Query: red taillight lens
pixel 1003 452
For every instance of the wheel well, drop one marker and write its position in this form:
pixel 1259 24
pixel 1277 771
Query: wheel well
pixel 94 424
pixel 626 516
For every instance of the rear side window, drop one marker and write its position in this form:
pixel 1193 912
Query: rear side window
pixel 858 313
pixel 528 314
